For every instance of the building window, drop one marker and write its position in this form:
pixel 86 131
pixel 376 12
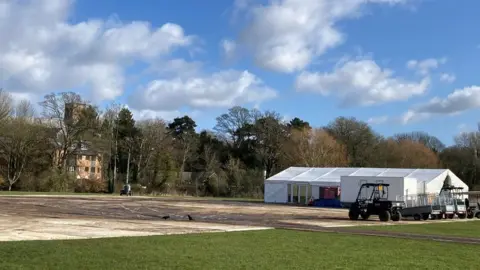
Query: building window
pixel 86 169
pixel 98 170
pixel 92 169
pixel 71 169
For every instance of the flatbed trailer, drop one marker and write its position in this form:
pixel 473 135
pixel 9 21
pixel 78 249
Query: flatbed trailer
pixel 421 212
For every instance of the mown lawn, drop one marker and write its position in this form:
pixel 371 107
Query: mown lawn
pixel 460 229
pixel 272 249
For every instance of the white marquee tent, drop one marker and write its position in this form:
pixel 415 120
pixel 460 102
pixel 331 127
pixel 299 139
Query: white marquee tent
pixel 298 184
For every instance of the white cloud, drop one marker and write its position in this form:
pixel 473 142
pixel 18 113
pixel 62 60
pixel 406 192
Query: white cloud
pixel 423 67
pixel 448 78
pixel 462 127
pixel 177 68
pixel 165 115
pixel 218 90
pixel 457 102
pixel 378 120
pixel 228 48
pixel 285 35
pixel 361 82
pixel 45 52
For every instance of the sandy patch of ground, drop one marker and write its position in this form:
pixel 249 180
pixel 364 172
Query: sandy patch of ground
pixel 22 228
pixel 76 217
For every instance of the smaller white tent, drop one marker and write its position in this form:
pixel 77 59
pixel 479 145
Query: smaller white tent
pixel 298 184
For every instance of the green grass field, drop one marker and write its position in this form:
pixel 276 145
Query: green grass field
pixel 272 249
pixel 460 229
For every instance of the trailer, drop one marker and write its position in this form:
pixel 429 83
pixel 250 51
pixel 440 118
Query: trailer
pixel 421 206
pixel 472 203
pixel 451 202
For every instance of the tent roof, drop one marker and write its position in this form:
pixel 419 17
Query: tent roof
pixel 309 174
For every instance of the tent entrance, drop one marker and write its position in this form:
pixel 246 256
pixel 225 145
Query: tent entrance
pixel 299 193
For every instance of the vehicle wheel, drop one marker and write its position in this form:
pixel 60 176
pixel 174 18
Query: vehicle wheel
pixel 365 215
pixel 354 213
pixel 396 216
pixel 440 216
pixel 425 216
pixel 384 216
pixel 462 216
pixel 477 215
pixel 450 216
pixel 433 217
pixel 470 215
pixel 417 217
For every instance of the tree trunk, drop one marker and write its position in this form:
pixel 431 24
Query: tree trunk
pixel 9 187
pixel 128 166
pixel 115 165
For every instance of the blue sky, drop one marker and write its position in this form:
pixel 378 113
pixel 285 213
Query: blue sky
pixel 378 40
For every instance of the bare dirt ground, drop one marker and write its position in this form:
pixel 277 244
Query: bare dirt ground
pixel 76 217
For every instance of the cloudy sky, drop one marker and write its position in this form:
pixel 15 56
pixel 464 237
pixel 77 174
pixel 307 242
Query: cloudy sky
pixel 401 65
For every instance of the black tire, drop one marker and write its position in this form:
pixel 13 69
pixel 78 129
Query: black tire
pixel 477 215
pixel 425 216
pixel 384 216
pixel 396 216
pixel 470 215
pixel 365 215
pixel 462 216
pixel 417 217
pixel 353 215
pixel 440 216
pixel 450 216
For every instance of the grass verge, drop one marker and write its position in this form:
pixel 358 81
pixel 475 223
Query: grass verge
pixel 459 229
pixel 272 249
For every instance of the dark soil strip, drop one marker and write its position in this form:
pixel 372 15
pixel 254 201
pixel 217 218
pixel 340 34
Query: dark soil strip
pixel 439 238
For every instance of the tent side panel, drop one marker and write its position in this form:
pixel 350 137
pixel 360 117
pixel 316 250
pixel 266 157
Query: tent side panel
pixel 350 186
pixel 436 184
pixel 410 185
pixel 315 191
pixel 458 182
pixel 275 193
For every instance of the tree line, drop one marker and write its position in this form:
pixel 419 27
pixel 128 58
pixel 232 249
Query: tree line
pixel 232 159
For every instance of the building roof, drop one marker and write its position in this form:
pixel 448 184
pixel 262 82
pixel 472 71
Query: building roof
pixel 311 175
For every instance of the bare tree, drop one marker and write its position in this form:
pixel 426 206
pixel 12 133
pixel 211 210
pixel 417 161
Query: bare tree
pixel 270 135
pixel 429 141
pixel 211 168
pixel 153 139
pixel 358 138
pixel 110 119
pixel 405 154
pixel 6 102
pixel 65 112
pixel 19 140
pixel 228 124
pixel 315 148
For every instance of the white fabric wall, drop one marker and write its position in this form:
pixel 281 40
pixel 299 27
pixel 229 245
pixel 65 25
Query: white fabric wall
pixel 436 184
pixel 276 193
pixel 350 185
